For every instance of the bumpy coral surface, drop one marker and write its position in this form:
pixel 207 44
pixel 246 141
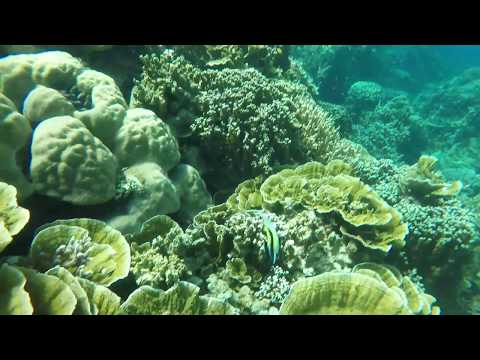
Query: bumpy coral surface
pixel 71 164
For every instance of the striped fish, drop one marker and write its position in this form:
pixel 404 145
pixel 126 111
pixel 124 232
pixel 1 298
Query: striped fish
pixel 273 244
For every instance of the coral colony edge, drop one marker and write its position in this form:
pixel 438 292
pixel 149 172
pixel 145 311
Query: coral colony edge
pixel 238 180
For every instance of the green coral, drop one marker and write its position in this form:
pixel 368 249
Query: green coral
pixel 88 248
pixel 14 299
pixel 271 60
pixel 328 189
pixel 13 218
pixel 155 259
pixel 424 181
pixel 181 299
pixel 243 122
pixel 368 289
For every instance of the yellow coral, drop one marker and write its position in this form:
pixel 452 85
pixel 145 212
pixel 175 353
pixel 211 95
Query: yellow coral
pixel 366 216
pixel 13 218
pixel 371 289
pixel 421 179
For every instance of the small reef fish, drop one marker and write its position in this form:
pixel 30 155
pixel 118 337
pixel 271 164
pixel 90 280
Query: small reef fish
pixel 272 243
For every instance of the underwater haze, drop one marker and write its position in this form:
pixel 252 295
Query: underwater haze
pixel 239 179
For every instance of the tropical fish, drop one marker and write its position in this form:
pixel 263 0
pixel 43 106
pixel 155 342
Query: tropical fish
pixel 273 244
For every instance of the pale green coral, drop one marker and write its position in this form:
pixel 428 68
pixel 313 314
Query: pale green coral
pixel 158 197
pixel 48 294
pixel 191 190
pixel 43 103
pixel 15 132
pixel 424 181
pixel 88 248
pixel 328 189
pixel 13 218
pixel 369 289
pixel 144 137
pixel 14 300
pixel 71 164
pixel 181 299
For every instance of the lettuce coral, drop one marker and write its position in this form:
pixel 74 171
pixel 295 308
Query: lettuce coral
pixel 328 189
pixel 87 248
pixel 423 181
pixel 155 249
pixel 13 218
pixel 367 290
pixel 14 299
pixel 181 299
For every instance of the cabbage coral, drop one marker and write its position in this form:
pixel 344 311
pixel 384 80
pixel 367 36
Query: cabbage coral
pixel 12 217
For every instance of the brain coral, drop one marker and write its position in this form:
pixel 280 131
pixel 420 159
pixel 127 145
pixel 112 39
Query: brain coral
pixel 71 164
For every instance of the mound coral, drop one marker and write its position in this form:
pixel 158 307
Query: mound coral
pixel 71 164
pixel 15 132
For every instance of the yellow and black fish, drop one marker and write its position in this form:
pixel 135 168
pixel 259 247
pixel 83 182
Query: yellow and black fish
pixel 272 243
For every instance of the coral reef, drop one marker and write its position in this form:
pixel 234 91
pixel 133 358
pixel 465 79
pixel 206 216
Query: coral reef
pixel 237 179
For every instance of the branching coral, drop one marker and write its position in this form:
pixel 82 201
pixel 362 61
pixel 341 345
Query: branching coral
pixel 243 122
pixel 271 60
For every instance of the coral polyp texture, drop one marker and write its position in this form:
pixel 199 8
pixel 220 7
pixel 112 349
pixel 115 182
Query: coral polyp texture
pixel 238 180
